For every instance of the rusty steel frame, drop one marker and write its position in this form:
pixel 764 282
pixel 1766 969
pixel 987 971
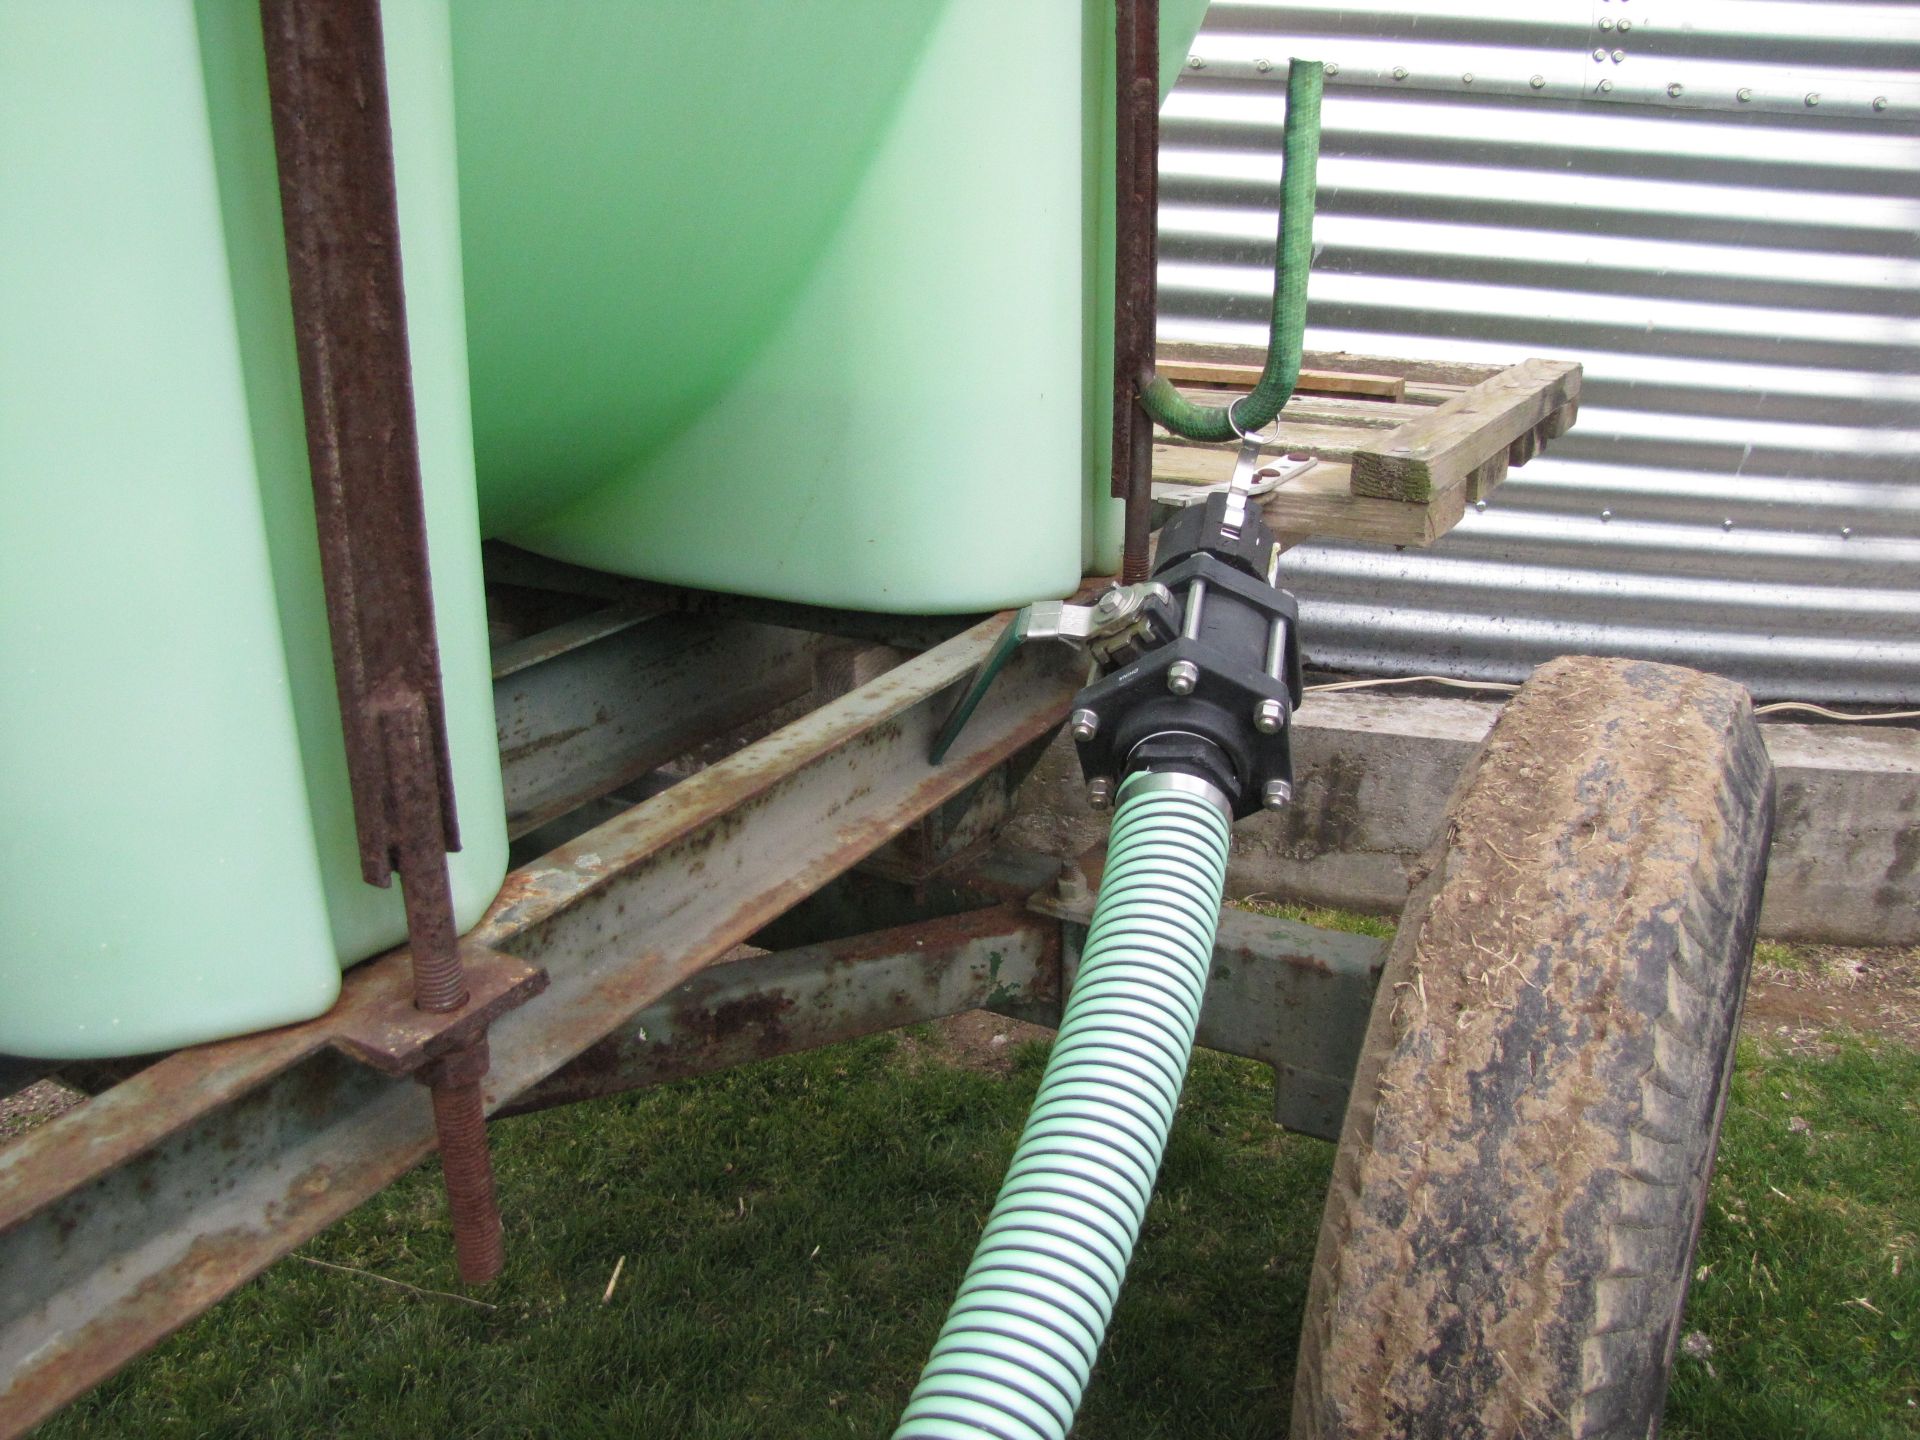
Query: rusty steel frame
pixel 998 957
pixel 582 709
pixel 1136 192
pixel 128 1216
pixel 1289 995
pixel 340 209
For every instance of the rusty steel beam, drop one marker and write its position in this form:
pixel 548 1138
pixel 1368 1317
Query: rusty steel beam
pixel 1136 191
pixel 1286 994
pixel 327 82
pixel 327 87
pixel 754 1009
pixel 130 1215
pixel 589 706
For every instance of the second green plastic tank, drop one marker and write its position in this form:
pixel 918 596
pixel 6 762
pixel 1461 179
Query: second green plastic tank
pixel 808 301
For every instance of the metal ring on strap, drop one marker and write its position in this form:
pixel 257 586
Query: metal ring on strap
pixel 1252 437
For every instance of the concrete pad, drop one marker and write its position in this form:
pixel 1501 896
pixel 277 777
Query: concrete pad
pixel 1374 773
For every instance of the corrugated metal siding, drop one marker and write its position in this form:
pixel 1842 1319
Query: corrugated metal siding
pixel 1737 275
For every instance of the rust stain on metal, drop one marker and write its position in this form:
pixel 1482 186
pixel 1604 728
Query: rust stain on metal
pixel 386 1030
pixel 327 87
pixel 326 75
pixel 1136 204
pixel 708 807
pixel 1298 957
pixel 210 1267
pixel 148 1107
pixel 694 1029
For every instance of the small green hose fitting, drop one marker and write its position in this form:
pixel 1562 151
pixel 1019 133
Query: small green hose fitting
pixel 1019 1344
pixel 1293 257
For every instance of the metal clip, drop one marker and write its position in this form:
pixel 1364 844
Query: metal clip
pixel 1246 466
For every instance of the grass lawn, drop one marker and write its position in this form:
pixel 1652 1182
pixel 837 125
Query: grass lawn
pixel 793 1231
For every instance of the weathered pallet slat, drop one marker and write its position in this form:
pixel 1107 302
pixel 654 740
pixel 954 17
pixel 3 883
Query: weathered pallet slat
pixel 1421 438
pixel 1318 503
pixel 1311 382
pixel 1364 412
pixel 1438 372
pixel 1452 442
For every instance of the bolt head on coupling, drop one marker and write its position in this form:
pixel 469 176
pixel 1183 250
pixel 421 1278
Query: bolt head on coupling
pixel 1276 794
pixel 1100 792
pixel 1268 716
pixel 1182 676
pixel 1084 724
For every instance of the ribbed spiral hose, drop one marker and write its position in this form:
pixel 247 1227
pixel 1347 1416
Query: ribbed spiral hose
pixel 1019 1344
pixel 1293 257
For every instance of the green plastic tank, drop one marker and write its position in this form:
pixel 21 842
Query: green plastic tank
pixel 177 856
pixel 805 301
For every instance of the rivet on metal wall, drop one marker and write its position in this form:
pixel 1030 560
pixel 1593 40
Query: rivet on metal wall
pixel 1194 62
pixel 1618 56
pixel 1879 102
pixel 1480 506
pixel 1727 524
pixel 1605 516
pixel 1605 86
pixel 1675 89
pixel 1599 55
pixel 1625 25
pixel 1399 72
pixel 1538 82
pixel 1332 68
pixel 1846 532
pixel 1743 94
pixel 1263 66
pixel 1813 98
pixel 1606 22
pixel 1467 79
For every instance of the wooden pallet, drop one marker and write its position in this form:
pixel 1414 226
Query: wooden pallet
pixel 1404 445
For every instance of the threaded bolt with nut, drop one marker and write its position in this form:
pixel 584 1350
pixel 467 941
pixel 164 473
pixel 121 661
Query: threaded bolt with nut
pixel 1182 676
pixel 1276 794
pixel 1100 792
pixel 1084 724
pixel 1268 716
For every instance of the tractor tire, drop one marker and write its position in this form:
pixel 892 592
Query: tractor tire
pixel 1524 1161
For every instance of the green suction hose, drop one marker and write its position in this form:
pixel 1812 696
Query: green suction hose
pixel 1015 1354
pixel 1292 258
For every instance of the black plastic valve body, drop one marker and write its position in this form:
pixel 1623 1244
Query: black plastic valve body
pixel 1217 699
